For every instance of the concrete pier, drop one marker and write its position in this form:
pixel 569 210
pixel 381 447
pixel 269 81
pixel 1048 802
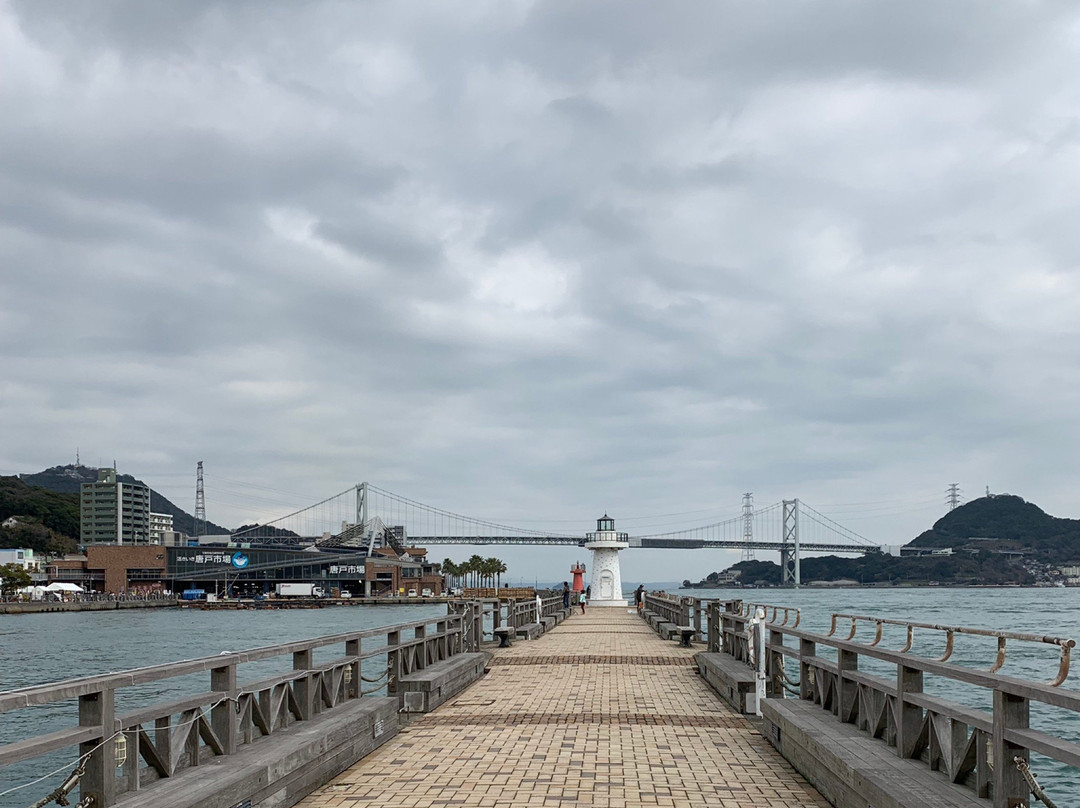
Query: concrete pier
pixel 600 712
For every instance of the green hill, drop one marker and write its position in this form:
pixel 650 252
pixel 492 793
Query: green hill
pixel 1006 522
pixel 53 523
pixel 874 568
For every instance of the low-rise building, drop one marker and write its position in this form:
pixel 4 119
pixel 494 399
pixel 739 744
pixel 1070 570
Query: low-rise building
pixel 22 557
pixel 114 569
pixel 160 524
pixel 1071 574
pixel 243 570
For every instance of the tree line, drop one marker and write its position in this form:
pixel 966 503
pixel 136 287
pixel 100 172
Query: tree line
pixel 476 572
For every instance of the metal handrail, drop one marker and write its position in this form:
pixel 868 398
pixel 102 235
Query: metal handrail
pixel 747 609
pixel 1066 644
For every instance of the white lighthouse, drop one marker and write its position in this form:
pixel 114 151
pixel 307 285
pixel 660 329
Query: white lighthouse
pixel 605 544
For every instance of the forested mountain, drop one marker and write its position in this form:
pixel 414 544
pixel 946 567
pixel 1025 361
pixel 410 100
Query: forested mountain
pixel 1006 522
pixel 875 568
pixel 53 526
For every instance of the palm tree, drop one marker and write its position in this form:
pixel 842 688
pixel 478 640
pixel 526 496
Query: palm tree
pixel 449 569
pixel 489 570
pixel 475 566
pixel 495 568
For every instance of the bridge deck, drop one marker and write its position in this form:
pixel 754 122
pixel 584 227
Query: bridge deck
pixel 598 712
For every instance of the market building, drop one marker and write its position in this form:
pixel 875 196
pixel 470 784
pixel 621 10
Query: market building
pixel 243 571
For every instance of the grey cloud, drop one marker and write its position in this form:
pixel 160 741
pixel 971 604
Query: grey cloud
pixel 537 262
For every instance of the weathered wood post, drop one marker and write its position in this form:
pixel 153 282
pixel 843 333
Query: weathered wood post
pixel 99 710
pixel 302 688
pixel 775 666
pixel 807 648
pixel 908 716
pixel 478 625
pixel 353 690
pixel 698 631
pixel 715 643
pixel 442 645
pixel 393 661
pixel 223 718
pixel 847 692
pixel 163 742
pixel 1010 788
pixel 421 655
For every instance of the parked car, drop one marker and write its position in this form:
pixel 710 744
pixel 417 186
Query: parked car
pixel 427 593
pixel 412 593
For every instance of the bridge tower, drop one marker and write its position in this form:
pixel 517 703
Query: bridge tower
pixel 789 549
pixel 605 545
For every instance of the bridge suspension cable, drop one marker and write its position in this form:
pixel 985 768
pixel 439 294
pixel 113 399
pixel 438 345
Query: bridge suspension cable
pixel 837 528
pixel 366 515
pixel 726 530
pixel 429 521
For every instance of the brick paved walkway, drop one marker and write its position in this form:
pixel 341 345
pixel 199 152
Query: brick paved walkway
pixel 598 712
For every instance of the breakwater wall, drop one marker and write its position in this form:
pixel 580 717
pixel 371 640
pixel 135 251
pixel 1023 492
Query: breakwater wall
pixel 39 607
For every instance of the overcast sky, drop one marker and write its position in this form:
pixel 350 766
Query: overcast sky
pixel 536 261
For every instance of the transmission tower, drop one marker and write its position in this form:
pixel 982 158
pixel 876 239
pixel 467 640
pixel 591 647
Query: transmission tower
pixel 952 496
pixel 748 526
pixel 200 503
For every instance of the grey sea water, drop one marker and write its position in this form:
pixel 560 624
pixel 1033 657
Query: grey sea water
pixel 35 649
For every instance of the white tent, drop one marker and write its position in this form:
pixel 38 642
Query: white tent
pixel 35 592
pixel 56 586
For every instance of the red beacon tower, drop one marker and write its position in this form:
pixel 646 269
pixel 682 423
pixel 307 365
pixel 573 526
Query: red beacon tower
pixel 578 571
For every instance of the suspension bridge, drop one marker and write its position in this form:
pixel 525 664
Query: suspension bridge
pixel 368 517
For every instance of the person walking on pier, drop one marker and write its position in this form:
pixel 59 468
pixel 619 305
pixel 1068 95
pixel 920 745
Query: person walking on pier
pixel 581 600
pixel 565 595
pixel 639 593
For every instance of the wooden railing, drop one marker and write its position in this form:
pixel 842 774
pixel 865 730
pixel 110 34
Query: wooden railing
pixel 672 608
pixel 523 612
pixel 686 611
pixel 986 751
pixel 121 752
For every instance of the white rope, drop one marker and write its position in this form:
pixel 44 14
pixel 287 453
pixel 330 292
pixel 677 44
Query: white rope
pixel 79 761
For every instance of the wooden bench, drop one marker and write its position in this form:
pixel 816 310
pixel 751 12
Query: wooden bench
pixel 734 681
pixel 282 768
pixel 530 631
pixel 503 634
pixel 549 623
pixel 423 690
pixel 849 767
pixel 686 634
pixel 667 630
